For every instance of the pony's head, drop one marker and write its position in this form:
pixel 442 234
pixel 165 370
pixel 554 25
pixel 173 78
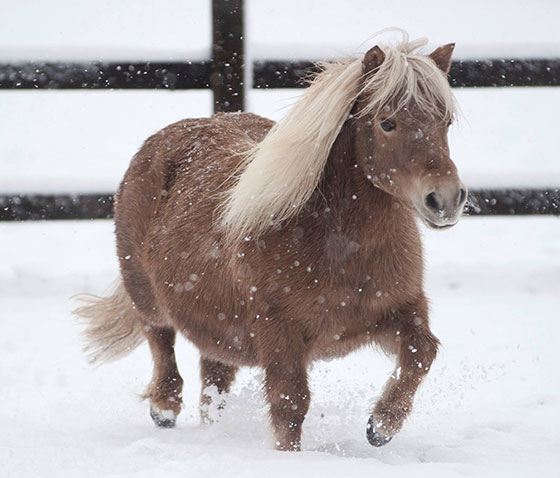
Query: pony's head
pixel 401 106
pixel 405 107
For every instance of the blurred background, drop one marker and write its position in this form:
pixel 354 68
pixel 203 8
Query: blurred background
pixel 81 139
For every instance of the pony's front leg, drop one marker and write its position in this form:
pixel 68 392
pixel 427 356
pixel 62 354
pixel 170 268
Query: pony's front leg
pixel 406 334
pixel 281 354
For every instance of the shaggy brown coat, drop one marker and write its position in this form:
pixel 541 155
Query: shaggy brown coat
pixel 346 271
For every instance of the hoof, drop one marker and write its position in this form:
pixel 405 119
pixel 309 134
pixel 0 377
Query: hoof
pixel 163 418
pixel 374 437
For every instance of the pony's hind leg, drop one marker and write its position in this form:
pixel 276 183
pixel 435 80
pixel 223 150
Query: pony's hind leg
pixel 406 334
pixel 165 390
pixel 216 378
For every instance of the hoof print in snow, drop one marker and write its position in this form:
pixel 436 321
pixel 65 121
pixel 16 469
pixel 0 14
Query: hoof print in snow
pixel 163 418
pixel 374 437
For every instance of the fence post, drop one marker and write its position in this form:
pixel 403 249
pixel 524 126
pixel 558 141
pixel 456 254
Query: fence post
pixel 228 59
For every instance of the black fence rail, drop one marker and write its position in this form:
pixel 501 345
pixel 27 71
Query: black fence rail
pixel 224 74
pixel 266 74
pixel 497 72
pixel 105 75
pixel 100 206
pixel 34 207
pixel 510 201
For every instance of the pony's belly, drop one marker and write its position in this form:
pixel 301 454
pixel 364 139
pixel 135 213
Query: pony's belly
pixel 338 346
pixel 229 344
pixel 341 333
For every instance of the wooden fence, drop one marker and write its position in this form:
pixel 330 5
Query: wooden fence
pixel 224 74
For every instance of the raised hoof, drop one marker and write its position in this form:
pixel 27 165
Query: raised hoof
pixel 163 418
pixel 374 437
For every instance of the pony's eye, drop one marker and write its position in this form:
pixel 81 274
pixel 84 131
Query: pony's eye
pixel 388 125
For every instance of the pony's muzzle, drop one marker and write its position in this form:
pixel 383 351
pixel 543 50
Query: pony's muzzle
pixel 442 206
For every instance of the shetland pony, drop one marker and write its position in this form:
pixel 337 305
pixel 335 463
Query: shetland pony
pixel 274 245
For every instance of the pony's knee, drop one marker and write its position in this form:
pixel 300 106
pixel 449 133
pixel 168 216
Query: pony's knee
pixel 218 374
pixel 430 345
pixel 217 378
pixel 419 350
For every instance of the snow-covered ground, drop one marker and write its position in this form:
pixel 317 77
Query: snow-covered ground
pixel 491 404
pixel 490 407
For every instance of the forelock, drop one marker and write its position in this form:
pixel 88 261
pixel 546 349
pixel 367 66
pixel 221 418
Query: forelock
pixel 407 79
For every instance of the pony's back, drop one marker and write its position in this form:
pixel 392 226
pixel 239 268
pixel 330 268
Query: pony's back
pixel 173 188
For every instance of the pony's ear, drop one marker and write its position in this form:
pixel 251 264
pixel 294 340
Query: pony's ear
pixel 442 57
pixel 372 59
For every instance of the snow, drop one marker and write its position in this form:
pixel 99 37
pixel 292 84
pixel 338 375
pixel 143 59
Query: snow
pixel 67 30
pixel 480 28
pixel 288 29
pixel 82 141
pixel 490 406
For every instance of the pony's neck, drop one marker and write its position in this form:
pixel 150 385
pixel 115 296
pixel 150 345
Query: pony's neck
pixel 356 207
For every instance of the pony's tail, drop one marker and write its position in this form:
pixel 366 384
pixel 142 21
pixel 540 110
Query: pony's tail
pixel 113 325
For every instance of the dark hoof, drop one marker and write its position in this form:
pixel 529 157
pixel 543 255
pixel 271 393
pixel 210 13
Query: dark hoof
pixel 163 418
pixel 374 437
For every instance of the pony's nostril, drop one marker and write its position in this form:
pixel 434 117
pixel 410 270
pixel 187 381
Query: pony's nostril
pixel 432 202
pixel 463 195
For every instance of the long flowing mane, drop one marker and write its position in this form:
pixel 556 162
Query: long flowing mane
pixel 281 172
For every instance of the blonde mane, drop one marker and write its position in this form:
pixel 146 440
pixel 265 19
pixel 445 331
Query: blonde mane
pixel 281 172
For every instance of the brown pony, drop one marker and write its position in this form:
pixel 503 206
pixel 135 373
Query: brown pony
pixel 274 245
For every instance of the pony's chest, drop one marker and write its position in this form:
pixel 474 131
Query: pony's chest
pixel 376 280
pixel 357 296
